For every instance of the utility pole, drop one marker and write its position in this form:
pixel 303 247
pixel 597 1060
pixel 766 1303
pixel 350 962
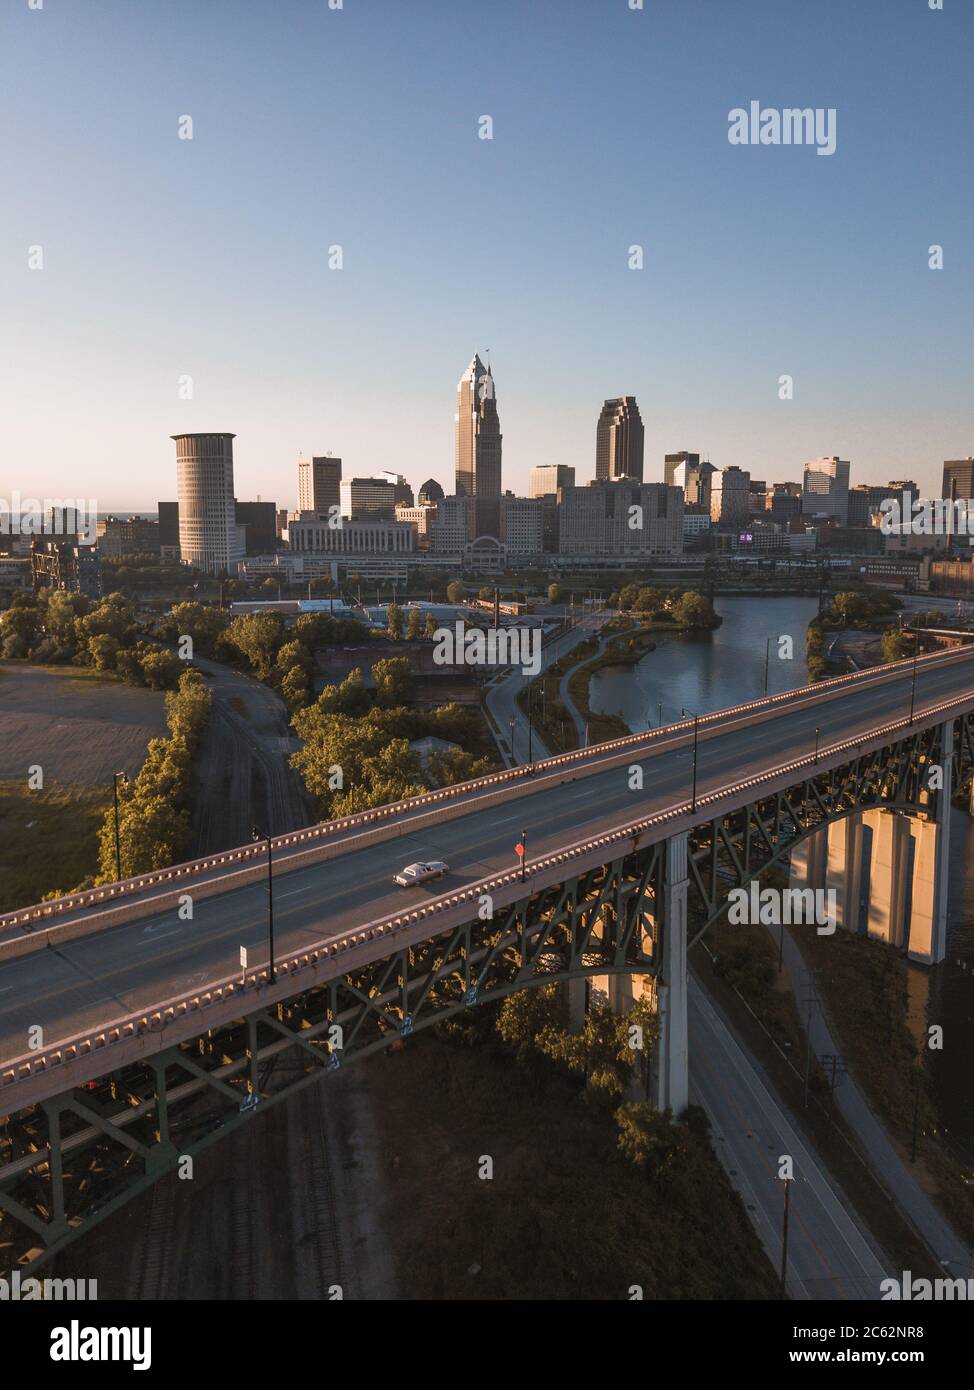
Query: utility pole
pixel 916 655
pixel 767 663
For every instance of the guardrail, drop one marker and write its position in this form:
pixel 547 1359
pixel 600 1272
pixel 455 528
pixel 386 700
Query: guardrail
pixel 503 888
pixel 526 775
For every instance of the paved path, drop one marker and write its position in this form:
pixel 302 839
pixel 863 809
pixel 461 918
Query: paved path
pixel 581 728
pixel 504 689
pixel 946 1245
pixel 830 1256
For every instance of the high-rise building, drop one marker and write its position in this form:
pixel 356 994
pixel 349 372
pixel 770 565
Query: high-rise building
pixel 825 491
pixel 867 499
pixel 319 484
pixel 671 463
pixel 959 478
pixel 619 440
pixel 730 493
pixel 430 492
pixel 209 536
pixel 549 477
pixel 169 530
pixel 478 445
pixel 454 525
pixel 372 497
pixel 259 520
pixel 522 524
pixel 620 517
pixel 693 477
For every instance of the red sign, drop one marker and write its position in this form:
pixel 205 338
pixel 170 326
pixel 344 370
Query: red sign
pixel 519 849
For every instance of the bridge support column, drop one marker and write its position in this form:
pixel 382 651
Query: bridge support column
pixel 928 900
pixel 576 992
pixel 885 915
pixel 670 1077
pixel 843 870
pixel 808 861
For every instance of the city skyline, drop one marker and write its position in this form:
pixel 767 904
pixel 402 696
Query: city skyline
pixel 166 258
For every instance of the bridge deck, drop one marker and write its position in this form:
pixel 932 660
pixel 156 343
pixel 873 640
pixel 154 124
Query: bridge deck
pixel 84 983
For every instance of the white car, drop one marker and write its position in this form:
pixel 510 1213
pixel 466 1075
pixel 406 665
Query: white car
pixel 420 873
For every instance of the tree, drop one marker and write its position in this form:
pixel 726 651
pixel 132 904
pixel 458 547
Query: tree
pixel 455 592
pixel 431 626
pixel 554 593
pixel 103 652
pixel 347 697
pixel 394 621
pixel 895 644
pixel 258 638
pixel 161 669
pixel 413 625
pixel 393 681
pixel 694 610
pixel 650 1139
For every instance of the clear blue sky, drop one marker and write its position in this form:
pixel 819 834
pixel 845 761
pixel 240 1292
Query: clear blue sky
pixel 359 127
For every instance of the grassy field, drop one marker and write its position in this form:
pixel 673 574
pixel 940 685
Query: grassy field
pixel 566 1215
pixel 48 840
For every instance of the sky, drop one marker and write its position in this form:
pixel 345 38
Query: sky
pixel 359 127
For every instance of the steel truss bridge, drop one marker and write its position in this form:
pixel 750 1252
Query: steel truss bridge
pixel 92 1130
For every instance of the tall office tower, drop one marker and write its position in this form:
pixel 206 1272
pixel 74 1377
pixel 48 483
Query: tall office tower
pixel 597 520
pixel 959 487
pixel 169 530
pixel 730 491
pixel 671 463
pixel 694 478
pixel 619 440
pixel 209 537
pixel 319 484
pixel 430 492
pixel 549 477
pixel 478 452
pixel 376 496
pixel 867 499
pixel 825 490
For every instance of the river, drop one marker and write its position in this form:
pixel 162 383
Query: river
pixel 714 670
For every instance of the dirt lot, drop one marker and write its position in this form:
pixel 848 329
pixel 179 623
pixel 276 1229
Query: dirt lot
pixel 81 727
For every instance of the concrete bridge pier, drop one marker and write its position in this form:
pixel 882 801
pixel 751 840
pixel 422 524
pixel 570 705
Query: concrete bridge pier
pixel 843 870
pixel 931 863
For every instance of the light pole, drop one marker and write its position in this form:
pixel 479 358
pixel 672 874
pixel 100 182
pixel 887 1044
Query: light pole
pixel 513 754
pixel 659 709
pixel 530 724
pixel 256 835
pixel 767 663
pixel 693 784
pixel 524 855
pixel 116 777
pixel 817 732
pixel 916 654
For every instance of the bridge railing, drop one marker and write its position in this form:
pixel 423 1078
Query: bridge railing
pixel 46 913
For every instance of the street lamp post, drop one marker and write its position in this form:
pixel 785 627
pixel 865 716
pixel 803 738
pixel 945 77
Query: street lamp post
pixel 784 1242
pixel 256 835
pixel 817 732
pixel 116 777
pixel 524 855
pixel 513 754
pixel 693 793
pixel 913 683
pixel 530 725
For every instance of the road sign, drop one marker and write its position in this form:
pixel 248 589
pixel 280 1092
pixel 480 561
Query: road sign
pixel 243 957
pixel 519 849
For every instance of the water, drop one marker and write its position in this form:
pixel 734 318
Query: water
pixel 709 671
pixel 712 671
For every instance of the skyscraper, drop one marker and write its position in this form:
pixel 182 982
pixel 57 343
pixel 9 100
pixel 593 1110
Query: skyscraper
pixel 547 478
pixel 619 440
pixel 319 484
pixel 478 452
pixel 209 536
pixel 826 489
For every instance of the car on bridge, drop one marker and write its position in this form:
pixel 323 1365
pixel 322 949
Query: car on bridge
pixel 420 872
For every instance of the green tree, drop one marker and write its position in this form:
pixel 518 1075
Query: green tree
pixel 694 610
pixel 258 638
pixel 393 681
pixel 456 592
pixel 554 593
pixel 394 621
pixel 431 626
pixel 413 625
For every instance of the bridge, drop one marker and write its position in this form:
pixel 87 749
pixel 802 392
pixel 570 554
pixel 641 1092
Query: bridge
pixel 131 1036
